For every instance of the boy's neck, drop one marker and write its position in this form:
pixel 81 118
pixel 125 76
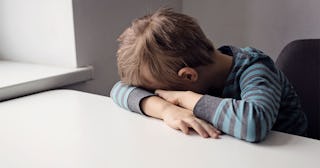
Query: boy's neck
pixel 212 77
pixel 220 70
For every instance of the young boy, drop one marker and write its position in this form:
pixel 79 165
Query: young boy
pixel 238 91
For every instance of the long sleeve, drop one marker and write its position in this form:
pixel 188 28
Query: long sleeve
pixel 251 117
pixel 129 97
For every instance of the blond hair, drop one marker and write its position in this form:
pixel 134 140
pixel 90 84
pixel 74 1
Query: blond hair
pixel 165 42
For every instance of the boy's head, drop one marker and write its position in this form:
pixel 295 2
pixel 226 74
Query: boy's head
pixel 156 47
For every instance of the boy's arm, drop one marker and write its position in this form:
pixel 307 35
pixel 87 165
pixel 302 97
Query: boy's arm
pixel 143 102
pixel 129 97
pixel 250 118
pixel 177 117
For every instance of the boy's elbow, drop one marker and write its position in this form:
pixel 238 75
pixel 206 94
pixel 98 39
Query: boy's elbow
pixel 255 133
pixel 252 137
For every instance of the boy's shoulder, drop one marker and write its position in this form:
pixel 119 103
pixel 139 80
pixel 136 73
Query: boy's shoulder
pixel 253 55
pixel 250 53
pixel 256 56
pixel 247 57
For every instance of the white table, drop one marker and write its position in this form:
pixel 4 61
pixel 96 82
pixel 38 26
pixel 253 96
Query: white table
pixel 66 129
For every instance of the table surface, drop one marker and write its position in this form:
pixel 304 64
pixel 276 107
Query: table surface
pixel 66 129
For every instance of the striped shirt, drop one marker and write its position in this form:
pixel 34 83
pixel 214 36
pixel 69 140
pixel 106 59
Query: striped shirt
pixel 257 97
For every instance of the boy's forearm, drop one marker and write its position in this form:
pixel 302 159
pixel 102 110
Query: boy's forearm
pixel 185 99
pixel 154 106
pixel 129 97
pixel 189 99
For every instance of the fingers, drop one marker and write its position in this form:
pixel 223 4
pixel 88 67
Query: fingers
pixel 161 93
pixel 183 119
pixel 169 96
pixel 202 128
pixel 212 131
pixel 193 123
pixel 158 91
pixel 183 127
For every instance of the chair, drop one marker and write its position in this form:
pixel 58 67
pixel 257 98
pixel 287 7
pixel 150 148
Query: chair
pixel 300 62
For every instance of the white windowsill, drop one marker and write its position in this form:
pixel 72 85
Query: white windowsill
pixel 19 79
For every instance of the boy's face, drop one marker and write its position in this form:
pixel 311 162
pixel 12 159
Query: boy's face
pixel 149 82
pixel 202 79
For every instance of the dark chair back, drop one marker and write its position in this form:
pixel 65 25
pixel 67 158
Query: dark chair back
pixel 300 62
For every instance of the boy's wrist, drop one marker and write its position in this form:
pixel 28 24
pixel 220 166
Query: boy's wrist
pixel 189 99
pixel 155 106
pixel 168 108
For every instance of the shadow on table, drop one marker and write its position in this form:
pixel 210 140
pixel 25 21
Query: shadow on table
pixel 279 139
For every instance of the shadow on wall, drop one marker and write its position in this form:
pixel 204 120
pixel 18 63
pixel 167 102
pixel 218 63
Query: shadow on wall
pixel 97 26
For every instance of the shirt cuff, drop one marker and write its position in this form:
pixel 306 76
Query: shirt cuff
pixel 135 98
pixel 206 107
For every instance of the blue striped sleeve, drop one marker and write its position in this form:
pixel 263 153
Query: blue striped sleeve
pixel 252 117
pixel 129 97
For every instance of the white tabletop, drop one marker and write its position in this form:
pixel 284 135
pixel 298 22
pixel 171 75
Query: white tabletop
pixel 67 129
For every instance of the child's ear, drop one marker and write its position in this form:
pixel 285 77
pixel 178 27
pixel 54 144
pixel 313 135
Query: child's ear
pixel 189 74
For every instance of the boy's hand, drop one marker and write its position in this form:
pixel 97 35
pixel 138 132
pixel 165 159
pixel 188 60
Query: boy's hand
pixel 185 99
pixel 183 119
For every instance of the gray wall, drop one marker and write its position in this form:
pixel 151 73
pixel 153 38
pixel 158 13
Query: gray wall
pixel 265 24
pixel 98 23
